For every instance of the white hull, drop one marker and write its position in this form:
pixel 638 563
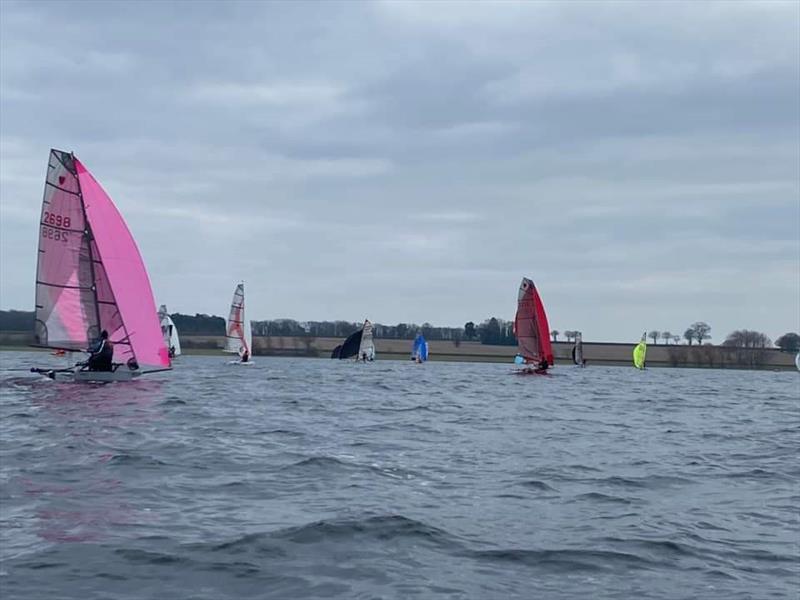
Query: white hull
pixel 79 376
pixel 240 363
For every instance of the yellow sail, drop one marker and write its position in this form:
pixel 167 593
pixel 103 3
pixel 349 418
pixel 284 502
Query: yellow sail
pixel 639 353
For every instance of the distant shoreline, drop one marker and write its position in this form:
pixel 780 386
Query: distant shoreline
pixel 596 353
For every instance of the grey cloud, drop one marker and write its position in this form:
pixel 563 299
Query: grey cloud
pixel 432 153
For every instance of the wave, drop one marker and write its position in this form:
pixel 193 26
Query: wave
pixel 605 498
pixel 132 459
pixel 648 481
pixel 331 464
pixel 538 485
pixel 379 528
pixel 567 561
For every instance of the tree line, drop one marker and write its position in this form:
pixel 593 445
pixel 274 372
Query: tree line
pixel 494 331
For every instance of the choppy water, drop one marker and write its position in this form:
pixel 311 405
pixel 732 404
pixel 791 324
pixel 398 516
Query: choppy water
pixel 321 479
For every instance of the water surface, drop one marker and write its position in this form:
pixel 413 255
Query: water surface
pixel 320 479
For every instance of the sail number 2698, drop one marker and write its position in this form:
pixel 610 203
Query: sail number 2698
pixel 52 233
pixel 54 219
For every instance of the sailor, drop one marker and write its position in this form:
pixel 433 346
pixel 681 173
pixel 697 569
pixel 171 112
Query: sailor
pixel 172 351
pixel 245 355
pixel 101 353
pixel 364 356
pixel 543 365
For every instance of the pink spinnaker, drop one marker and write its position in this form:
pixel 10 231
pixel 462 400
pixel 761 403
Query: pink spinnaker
pixel 127 276
pixel 90 274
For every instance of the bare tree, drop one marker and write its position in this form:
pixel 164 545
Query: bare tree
pixel 689 335
pixel 702 331
pixel 666 336
pixel 655 335
pixel 676 338
pixel 555 333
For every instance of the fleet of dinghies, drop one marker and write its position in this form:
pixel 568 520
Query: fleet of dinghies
pixel 92 289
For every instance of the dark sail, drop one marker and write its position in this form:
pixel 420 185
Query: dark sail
pixel 351 345
pixel 336 351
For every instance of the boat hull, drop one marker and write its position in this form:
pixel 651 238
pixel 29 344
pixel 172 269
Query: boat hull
pixel 80 376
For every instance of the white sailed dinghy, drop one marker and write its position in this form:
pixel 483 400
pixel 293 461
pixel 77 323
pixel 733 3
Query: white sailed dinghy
pixel 91 278
pixel 169 332
pixel 238 335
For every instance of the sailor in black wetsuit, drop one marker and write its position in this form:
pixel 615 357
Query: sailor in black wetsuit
pixel 542 366
pixel 245 356
pixel 101 354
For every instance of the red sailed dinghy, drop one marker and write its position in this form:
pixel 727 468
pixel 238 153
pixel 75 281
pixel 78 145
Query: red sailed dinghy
pixel 532 331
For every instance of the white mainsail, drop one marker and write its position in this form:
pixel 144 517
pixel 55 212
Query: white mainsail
pixel 238 335
pixel 169 331
pixel 367 346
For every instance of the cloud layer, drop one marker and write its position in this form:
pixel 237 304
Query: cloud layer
pixel 412 161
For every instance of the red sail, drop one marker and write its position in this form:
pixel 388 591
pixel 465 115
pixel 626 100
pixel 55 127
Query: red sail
pixel 545 349
pixel 530 325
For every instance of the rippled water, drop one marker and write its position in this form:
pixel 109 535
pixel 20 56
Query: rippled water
pixel 318 479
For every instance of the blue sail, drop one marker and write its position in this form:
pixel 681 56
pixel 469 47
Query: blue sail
pixel 420 349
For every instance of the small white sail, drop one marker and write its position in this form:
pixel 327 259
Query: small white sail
pixel 169 331
pixel 367 347
pixel 238 337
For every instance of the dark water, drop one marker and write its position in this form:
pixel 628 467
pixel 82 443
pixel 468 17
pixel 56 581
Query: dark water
pixel 320 479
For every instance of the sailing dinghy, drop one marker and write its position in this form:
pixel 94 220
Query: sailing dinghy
pixel 577 350
pixel 532 331
pixel 238 335
pixel 91 278
pixel 169 332
pixel 419 351
pixel 640 353
pixel 358 345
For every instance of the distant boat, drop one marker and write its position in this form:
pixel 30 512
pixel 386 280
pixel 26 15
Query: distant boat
pixel 419 351
pixel 169 332
pixel 91 278
pixel 577 350
pixel 238 335
pixel 358 345
pixel 531 330
pixel 640 353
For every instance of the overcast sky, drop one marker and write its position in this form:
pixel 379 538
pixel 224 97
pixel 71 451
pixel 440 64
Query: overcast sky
pixel 412 161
